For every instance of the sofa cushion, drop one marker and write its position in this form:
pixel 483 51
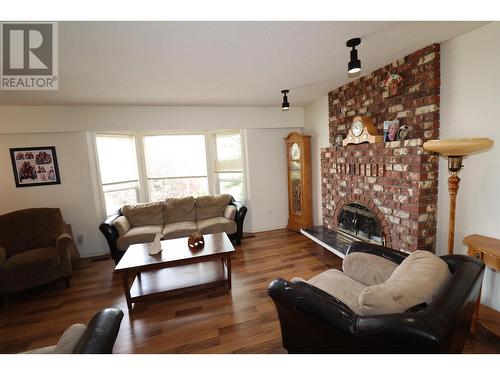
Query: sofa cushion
pixel 216 225
pixel 181 229
pixel 368 269
pixel 418 279
pixel 179 209
pixel 32 262
pixel 339 285
pixel 211 206
pixel 121 225
pixel 142 234
pixel 144 214
pixel 230 212
pixel 70 338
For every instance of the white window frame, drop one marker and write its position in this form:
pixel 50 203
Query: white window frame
pixel 216 173
pixel 142 190
pixel 102 193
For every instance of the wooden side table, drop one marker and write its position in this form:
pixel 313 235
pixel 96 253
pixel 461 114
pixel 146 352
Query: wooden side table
pixel 488 250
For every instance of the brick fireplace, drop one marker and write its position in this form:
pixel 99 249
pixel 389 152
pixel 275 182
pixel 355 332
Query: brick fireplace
pixel 397 181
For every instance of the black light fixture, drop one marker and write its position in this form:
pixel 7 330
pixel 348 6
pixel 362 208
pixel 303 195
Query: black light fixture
pixel 354 65
pixel 285 106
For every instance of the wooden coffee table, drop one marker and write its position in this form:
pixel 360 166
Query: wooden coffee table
pixel 176 269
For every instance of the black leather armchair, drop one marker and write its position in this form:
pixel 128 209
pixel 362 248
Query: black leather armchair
pixel 313 321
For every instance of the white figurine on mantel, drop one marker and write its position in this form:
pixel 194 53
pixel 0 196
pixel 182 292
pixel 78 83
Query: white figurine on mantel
pixel 155 247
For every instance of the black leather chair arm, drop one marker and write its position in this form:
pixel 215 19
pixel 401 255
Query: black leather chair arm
pixel 382 251
pixel 421 332
pixel 111 236
pixel 101 332
pixel 324 306
pixel 241 211
pixel 312 321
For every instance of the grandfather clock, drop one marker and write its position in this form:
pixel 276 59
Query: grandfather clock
pixel 298 148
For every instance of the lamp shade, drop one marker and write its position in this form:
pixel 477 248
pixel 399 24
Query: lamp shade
pixel 458 146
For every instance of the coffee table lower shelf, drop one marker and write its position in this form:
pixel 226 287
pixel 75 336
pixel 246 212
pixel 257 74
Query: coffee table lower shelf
pixel 175 280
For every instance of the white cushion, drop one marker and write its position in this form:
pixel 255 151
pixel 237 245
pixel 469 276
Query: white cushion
pixel 121 225
pixel 367 268
pixel 142 234
pixel 230 212
pixel 418 279
pixel 45 350
pixel 68 341
pixel 339 285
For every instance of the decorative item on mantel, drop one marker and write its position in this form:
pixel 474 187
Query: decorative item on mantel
pixel 393 83
pixel 196 240
pixel 155 247
pixel 339 138
pixel 362 130
pixel 455 150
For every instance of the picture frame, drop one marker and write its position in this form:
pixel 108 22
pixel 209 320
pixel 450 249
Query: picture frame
pixel 391 129
pixel 35 166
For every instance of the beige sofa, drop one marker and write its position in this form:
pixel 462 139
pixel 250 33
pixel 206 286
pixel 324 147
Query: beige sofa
pixel 172 218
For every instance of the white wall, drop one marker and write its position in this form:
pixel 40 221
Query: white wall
pixel 267 185
pixel 74 196
pixel 470 100
pixel 112 119
pixel 316 125
pixel 67 128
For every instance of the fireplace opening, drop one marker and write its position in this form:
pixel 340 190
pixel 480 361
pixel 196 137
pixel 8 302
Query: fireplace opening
pixel 358 221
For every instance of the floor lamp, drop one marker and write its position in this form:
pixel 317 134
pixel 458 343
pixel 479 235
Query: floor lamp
pixel 455 150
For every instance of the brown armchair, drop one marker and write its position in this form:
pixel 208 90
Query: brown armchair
pixel 34 249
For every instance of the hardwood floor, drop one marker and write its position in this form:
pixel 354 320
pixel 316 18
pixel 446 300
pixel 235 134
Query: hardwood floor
pixel 244 321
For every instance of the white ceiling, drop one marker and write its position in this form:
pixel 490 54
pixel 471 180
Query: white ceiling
pixel 220 63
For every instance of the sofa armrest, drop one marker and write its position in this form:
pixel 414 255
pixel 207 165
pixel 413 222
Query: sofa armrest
pixel 101 332
pixel 111 235
pixel 382 251
pixel 63 243
pixel 64 240
pixel 3 256
pixel 241 211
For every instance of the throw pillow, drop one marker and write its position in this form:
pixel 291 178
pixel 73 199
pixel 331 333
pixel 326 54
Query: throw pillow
pixel 121 225
pixel 367 268
pixel 418 279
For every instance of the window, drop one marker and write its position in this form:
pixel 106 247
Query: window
pixel 151 167
pixel 176 165
pixel 118 168
pixel 229 164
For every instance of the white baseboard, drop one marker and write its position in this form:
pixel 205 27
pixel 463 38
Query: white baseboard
pixel 266 229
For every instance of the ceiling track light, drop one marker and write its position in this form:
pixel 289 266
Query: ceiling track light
pixel 285 106
pixel 354 65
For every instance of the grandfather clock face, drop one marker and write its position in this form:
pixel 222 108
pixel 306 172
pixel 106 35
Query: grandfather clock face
pixel 295 177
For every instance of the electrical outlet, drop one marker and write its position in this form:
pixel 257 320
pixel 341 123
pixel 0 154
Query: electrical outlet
pixel 269 212
pixel 80 239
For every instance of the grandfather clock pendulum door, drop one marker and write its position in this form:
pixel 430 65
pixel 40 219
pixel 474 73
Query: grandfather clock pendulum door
pixel 299 181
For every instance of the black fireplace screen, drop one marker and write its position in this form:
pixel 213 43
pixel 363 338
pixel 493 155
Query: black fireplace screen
pixel 359 221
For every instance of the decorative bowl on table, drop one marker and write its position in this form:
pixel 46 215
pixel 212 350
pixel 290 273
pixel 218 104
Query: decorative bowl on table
pixel 196 240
